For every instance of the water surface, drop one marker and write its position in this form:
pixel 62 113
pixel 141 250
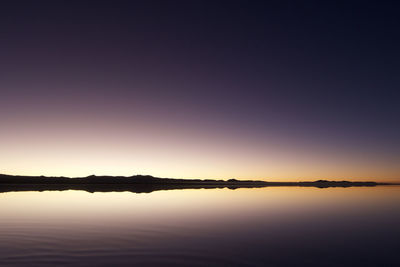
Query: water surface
pixel 273 226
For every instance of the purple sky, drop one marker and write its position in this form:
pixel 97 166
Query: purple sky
pixel 202 90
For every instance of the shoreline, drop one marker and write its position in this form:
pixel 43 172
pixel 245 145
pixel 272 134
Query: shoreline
pixel 147 184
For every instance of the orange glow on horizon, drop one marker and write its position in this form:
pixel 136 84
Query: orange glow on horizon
pixel 81 146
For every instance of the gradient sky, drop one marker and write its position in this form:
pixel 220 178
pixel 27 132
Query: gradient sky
pixel 277 90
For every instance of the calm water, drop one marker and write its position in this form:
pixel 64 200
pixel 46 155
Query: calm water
pixel 279 226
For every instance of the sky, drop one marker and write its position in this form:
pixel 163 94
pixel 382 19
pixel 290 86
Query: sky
pixel 273 90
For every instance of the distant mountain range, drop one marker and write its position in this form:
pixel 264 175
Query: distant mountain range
pixel 146 183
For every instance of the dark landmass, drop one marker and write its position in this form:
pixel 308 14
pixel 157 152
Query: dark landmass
pixel 146 183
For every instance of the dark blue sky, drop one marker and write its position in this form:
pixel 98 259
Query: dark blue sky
pixel 321 76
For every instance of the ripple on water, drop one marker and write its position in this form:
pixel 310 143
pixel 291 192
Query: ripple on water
pixel 40 246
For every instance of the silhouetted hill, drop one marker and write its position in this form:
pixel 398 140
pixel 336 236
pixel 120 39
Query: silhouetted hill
pixel 146 183
pixel 136 179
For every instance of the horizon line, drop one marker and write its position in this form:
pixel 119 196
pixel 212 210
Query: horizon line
pixel 240 179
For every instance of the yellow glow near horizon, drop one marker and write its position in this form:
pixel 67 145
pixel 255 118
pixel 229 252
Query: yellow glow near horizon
pixel 82 148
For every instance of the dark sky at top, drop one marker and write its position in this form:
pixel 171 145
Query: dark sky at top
pixel 321 71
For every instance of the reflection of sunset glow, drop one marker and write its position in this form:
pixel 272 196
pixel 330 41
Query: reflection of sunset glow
pixel 199 205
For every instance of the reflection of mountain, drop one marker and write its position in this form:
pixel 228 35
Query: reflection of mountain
pixel 145 183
